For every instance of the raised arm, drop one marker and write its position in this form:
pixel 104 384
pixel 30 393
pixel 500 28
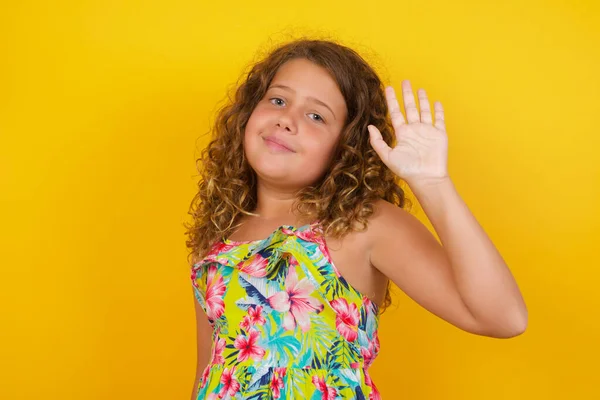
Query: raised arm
pixel 465 282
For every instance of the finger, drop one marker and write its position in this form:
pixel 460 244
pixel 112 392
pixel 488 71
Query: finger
pixel 379 145
pixel 439 116
pixel 424 106
pixel 394 107
pixel 412 114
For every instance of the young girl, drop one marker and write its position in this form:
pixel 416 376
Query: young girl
pixel 300 225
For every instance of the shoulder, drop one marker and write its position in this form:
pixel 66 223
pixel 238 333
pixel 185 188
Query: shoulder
pixel 394 230
pixel 407 252
pixel 389 218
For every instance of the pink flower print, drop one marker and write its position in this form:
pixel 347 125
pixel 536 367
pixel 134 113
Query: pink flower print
pixel 375 343
pixel 329 393
pixel 367 355
pixel 255 266
pixel 374 395
pixel 246 323
pixel 217 353
pixel 254 317
pixel 346 320
pixel 215 289
pixel 230 384
pixel 205 374
pixel 255 314
pixel 295 301
pixel 277 382
pixel 248 347
pixel 193 275
pixel 219 248
pixel 216 254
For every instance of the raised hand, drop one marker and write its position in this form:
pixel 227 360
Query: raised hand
pixel 421 151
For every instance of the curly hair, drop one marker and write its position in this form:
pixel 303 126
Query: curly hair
pixel 343 198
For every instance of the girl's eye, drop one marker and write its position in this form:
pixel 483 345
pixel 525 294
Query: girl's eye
pixel 318 119
pixel 275 98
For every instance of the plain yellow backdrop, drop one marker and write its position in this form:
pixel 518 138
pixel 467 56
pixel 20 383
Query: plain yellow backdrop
pixel 102 108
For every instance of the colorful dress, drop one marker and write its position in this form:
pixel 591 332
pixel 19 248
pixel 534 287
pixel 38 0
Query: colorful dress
pixel 286 324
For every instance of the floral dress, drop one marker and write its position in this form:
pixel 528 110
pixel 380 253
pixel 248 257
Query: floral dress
pixel 286 324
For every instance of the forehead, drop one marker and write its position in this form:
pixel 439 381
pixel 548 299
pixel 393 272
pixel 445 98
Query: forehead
pixel 310 80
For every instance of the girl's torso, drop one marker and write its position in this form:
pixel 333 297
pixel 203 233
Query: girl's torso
pixel 349 254
pixel 287 322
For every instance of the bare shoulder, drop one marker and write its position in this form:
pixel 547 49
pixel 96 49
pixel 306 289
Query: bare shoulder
pixel 389 219
pixel 397 238
pixel 403 249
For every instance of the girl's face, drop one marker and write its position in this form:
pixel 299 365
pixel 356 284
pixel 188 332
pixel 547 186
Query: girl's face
pixel 304 110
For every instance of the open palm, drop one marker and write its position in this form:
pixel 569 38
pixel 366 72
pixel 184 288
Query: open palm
pixel 421 150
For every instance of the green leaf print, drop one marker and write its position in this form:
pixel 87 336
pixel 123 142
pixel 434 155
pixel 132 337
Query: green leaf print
pixel 282 347
pixel 318 340
pixel 295 388
pixel 342 354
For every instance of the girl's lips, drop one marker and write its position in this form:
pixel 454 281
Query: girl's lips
pixel 276 146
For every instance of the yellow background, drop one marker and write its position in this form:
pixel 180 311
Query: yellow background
pixel 101 107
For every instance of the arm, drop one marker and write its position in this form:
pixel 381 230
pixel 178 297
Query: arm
pixel 465 282
pixel 203 344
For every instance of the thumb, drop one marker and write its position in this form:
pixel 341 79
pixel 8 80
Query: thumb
pixel 379 145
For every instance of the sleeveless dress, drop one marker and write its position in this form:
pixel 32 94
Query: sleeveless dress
pixel 286 324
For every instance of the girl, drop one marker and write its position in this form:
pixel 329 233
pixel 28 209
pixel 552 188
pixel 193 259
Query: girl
pixel 300 226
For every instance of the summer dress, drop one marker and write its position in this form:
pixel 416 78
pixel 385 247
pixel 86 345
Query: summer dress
pixel 286 324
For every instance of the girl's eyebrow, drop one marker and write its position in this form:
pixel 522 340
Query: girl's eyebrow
pixel 278 85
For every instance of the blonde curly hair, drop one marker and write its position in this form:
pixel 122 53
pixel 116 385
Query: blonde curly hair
pixel 356 177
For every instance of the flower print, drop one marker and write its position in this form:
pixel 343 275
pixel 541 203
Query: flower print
pixel 255 266
pixel 346 320
pixel 215 289
pixel 217 353
pixel 219 248
pixel 230 384
pixel 295 301
pixel 374 394
pixel 216 254
pixel 369 353
pixel 194 275
pixel 246 323
pixel 254 317
pixel 310 236
pixel 277 382
pixel 375 342
pixel 248 347
pixel 329 393
pixel 205 374
pixel 306 234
